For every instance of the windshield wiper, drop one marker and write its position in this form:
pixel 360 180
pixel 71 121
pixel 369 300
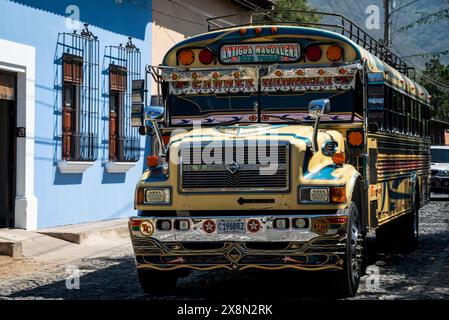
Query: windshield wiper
pixel 287 119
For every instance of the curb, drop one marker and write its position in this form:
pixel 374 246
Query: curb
pixel 81 234
pixel 10 248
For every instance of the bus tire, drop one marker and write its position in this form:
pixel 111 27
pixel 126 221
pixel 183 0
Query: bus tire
pixel 346 282
pixel 154 281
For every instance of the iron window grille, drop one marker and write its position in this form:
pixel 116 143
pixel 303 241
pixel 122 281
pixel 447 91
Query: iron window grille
pixel 124 63
pixel 80 95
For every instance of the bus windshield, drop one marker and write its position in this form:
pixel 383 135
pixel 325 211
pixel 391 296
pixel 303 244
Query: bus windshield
pixel 249 97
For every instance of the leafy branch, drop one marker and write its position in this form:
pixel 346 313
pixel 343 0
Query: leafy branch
pixel 427 19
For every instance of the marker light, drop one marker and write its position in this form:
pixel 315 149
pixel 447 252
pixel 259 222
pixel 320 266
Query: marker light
pixel 186 57
pixel 182 225
pixel 339 158
pixel 334 53
pixel 338 220
pixel 206 56
pixel 313 53
pixel 300 223
pixel 152 161
pixel 355 139
pixel 281 223
pixel 164 225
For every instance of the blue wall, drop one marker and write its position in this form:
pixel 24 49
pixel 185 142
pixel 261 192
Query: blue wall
pixel 95 194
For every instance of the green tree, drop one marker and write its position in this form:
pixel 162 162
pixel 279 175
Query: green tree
pixel 288 14
pixel 436 80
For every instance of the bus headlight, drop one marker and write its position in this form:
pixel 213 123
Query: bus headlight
pixel 314 195
pixel 158 196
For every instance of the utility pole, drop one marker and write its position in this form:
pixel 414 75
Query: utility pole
pixel 387 23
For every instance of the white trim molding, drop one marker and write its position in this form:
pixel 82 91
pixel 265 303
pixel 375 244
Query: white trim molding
pixel 119 167
pixel 74 166
pixel 21 59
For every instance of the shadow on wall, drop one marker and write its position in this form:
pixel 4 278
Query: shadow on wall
pixel 68 179
pixel 129 18
pixel 111 178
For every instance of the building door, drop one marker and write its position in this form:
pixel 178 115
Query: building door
pixel 7 148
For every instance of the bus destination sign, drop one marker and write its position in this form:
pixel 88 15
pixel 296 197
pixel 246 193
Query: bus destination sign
pixel 260 52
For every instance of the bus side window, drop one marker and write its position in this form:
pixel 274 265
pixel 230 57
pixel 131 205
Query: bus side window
pixel 394 108
pixel 413 105
pixel 401 113
pixel 408 114
pixel 387 114
pixel 421 120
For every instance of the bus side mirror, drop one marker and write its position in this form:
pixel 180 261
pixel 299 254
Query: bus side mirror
pixel 154 114
pixel 318 108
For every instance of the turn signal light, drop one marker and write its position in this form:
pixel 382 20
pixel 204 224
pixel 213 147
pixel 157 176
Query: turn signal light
pixel 140 196
pixel 339 158
pixel 338 195
pixel 152 161
pixel 334 53
pixel 313 53
pixel 206 56
pixel 186 57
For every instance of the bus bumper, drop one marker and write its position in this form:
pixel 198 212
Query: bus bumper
pixel 439 184
pixel 315 243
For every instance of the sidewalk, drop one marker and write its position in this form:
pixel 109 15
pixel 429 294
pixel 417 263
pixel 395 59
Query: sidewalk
pixel 16 243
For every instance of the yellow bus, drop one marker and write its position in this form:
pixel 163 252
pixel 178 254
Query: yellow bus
pixel 279 145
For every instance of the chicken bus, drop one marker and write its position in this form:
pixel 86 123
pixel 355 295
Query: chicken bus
pixel 279 145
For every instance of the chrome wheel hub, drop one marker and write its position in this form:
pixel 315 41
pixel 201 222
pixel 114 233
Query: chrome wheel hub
pixel 356 246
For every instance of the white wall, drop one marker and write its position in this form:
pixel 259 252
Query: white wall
pixel 20 59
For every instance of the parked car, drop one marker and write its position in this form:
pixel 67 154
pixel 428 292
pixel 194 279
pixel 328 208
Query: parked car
pixel 439 182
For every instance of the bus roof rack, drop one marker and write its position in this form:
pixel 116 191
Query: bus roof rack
pixel 336 22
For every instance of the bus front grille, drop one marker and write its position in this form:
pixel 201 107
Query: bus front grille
pixel 236 168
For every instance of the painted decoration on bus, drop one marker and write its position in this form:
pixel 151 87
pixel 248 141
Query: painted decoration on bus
pixel 260 52
pixel 309 79
pixel 241 80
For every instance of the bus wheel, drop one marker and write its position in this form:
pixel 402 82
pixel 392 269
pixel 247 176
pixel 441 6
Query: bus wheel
pixel 153 281
pixel 346 281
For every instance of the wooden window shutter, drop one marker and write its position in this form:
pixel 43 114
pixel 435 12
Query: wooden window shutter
pixel 117 78
pixel 73 69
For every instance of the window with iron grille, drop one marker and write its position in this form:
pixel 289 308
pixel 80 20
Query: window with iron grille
pixel 80 95
pixel 124 67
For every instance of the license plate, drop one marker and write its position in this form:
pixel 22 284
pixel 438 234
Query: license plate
pixel 231 226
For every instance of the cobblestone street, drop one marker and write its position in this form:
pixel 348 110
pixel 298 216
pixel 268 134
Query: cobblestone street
pixel 423 274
